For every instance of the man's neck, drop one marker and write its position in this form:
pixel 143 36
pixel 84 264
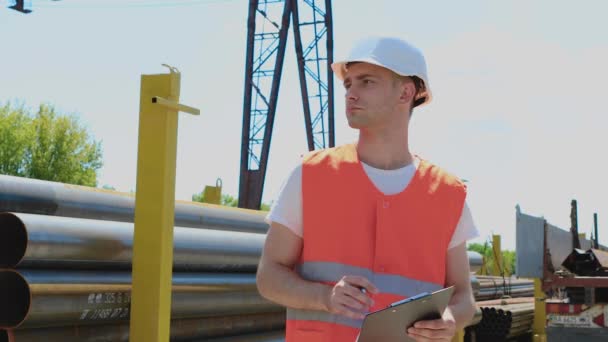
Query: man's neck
pixel 384 151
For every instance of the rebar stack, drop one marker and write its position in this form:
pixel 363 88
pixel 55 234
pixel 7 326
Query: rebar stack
pixel 503 321
pixel 495 287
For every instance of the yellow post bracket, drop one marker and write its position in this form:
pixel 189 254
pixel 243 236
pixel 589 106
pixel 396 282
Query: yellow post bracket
pixel 155 206
pixel 175 106
pixel 213 194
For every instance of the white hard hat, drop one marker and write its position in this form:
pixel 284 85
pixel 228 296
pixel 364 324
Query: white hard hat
pixel 392 53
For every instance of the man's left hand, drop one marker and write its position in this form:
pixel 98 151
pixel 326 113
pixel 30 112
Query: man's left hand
pixel 442 329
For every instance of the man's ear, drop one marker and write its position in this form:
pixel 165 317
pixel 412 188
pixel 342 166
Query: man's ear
pixel 408 91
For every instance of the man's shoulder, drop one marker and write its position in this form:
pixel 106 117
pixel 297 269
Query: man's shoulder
pixel 331 154
pixel 438 174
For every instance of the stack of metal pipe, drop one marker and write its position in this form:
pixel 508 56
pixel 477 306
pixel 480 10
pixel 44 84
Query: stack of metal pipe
pixel 495 287
pixel 505 319
pixel 65 260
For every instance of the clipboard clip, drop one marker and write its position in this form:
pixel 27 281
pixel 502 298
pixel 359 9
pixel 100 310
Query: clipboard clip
pixel 410 299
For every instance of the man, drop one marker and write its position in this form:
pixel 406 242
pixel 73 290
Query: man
pixel 360 226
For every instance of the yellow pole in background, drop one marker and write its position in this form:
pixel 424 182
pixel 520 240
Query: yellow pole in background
pixel 540 313
pixel 213 194
pixel 497 269
pixel 459 337
pixel 154 207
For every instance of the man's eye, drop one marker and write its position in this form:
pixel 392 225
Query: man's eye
pixel 367 81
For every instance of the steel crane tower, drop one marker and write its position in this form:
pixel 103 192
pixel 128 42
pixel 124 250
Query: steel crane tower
pixel 267 29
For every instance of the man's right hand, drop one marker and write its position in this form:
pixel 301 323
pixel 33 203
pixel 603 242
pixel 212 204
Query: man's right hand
pixel 347 298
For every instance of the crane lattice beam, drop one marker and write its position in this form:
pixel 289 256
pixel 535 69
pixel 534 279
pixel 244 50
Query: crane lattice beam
pixel 267 29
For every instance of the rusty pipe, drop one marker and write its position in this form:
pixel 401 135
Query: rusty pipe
pixel 53 298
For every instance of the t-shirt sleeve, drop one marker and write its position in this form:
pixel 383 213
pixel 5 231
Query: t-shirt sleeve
pixel 465 230
pixel 287 208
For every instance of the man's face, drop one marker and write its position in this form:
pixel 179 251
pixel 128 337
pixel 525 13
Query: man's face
pixel 372 96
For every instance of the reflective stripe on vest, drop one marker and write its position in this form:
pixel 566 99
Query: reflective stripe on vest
pixel 331 272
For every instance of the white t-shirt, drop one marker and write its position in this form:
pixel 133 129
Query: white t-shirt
pixel 287 208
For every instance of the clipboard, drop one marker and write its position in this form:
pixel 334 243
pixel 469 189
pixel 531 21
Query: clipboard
pixel 390 324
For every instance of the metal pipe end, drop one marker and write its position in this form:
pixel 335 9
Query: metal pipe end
pixel 15 299
pixel 13 240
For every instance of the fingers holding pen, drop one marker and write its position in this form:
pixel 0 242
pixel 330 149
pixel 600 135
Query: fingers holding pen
pixel 349 297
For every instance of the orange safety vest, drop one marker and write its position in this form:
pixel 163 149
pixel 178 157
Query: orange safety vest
pixel 399 242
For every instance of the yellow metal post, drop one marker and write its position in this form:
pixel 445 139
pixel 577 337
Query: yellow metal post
pixel 497 269
pixel 540 313
pixel 154 207
pixel 459 337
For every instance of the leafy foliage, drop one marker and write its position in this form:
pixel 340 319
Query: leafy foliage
pixel 508 258
pixel 47 145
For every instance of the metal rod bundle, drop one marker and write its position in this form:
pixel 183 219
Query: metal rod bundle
pixel 508 320
pixel 494 287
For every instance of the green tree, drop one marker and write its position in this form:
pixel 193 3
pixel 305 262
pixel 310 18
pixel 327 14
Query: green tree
pixel 230 201
pixel 15 139
pixel 508 257
pixel 47 145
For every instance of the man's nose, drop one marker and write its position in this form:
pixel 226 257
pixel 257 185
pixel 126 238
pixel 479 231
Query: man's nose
pixel 351 95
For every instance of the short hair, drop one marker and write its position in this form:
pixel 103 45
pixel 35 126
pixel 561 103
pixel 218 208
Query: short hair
pixel 420 96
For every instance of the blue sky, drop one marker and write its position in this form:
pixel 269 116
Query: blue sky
pixel 519 105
